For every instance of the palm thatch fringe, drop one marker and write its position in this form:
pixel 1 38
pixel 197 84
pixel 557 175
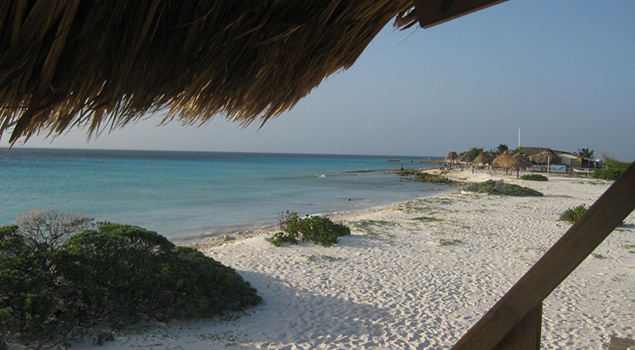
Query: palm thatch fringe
pixel 451 156
pixel 516 160
pixel 484 158
pixel 465 158
pixel 100 64
pixel 502 159
pixel 546 157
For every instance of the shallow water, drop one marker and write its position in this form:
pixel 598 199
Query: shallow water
pixel 186 194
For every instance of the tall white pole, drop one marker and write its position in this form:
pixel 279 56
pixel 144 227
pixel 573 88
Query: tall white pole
pixel 518 137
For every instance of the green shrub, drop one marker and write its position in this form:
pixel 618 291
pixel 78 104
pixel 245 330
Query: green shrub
pixel 573 214
pixel 311 228
pixel 534 177
pixel 438 179
pixel 114 276
pixel 424 177
pixel 611 162
pixel 608 174
pixel 613 169
pixel 501 188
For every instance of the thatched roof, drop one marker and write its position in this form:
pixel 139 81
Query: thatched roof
pixel 484 158
pixel 501 159
pixel 451 156
pixel 104 64
pixel 516 160
pixel 465 158
pixel 531 151
pixel 546 157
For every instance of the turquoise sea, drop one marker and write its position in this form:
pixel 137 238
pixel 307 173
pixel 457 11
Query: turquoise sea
pixel 184 195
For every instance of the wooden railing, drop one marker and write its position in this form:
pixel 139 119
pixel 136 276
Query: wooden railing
pixel 514 322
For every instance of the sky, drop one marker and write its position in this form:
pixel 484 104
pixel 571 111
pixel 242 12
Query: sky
pixel 560 71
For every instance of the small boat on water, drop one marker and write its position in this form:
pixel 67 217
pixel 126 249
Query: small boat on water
pixel 393 160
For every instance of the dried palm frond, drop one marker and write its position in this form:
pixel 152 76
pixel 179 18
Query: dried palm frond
pixel 502 159
pixel 99 64
pixel 484 158
pixel 465 158
pixel 546 157
pixel 516 160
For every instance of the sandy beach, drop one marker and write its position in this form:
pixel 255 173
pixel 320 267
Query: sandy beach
pixel 417 275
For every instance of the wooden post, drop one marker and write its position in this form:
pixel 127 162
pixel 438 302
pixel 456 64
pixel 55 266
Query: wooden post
pixel 581 239
pixel 526 336
pixel 621 343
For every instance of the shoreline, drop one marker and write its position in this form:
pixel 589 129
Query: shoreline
pixel 210 239
pixel 417 275
pixel 459 176
pixel 214 240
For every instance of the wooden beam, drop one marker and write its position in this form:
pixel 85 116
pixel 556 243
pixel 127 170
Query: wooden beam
pixel 433 12
pixel 526 336
pixel 608 212
pixel 621 343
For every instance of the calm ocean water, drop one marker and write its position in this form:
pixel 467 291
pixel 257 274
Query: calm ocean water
pixel 184 195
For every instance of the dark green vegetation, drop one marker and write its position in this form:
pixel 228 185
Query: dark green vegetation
pixel 311 228
pixel 475 151
pixel 585 152
pixel 501 188
pixel 613 169
pixel 534 177
pixel 55 290
pixel 501 148
pixel 573 214
pixel 424 177
pixel 445 242
pixel 427 219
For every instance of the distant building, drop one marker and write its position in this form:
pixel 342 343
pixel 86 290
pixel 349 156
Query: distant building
pixel 568 159
pixel 574 161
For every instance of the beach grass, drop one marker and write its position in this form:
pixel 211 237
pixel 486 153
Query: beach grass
pixel 428 219
pixel 446 242
pixel 371 227
pixel 572 215
pixel 315 258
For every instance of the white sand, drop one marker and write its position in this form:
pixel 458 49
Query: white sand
pixel 392 284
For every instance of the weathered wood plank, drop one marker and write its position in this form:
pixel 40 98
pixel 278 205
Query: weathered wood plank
pixel 581 239
pixel 620 343
pixel 433 12
pixel 526 336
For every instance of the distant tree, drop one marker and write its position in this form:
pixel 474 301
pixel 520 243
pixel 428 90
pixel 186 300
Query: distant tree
pixel 475 151
pixel 584 152
pixel 502 148
pixel 519 150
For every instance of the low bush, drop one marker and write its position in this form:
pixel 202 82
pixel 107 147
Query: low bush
pixel 425 177
pixel 437 179
pixel 52 291
pixel 614 169
pixel 608 174
pixel 534 177
pixel 311 228
pixel 573 214
pixel 501 188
